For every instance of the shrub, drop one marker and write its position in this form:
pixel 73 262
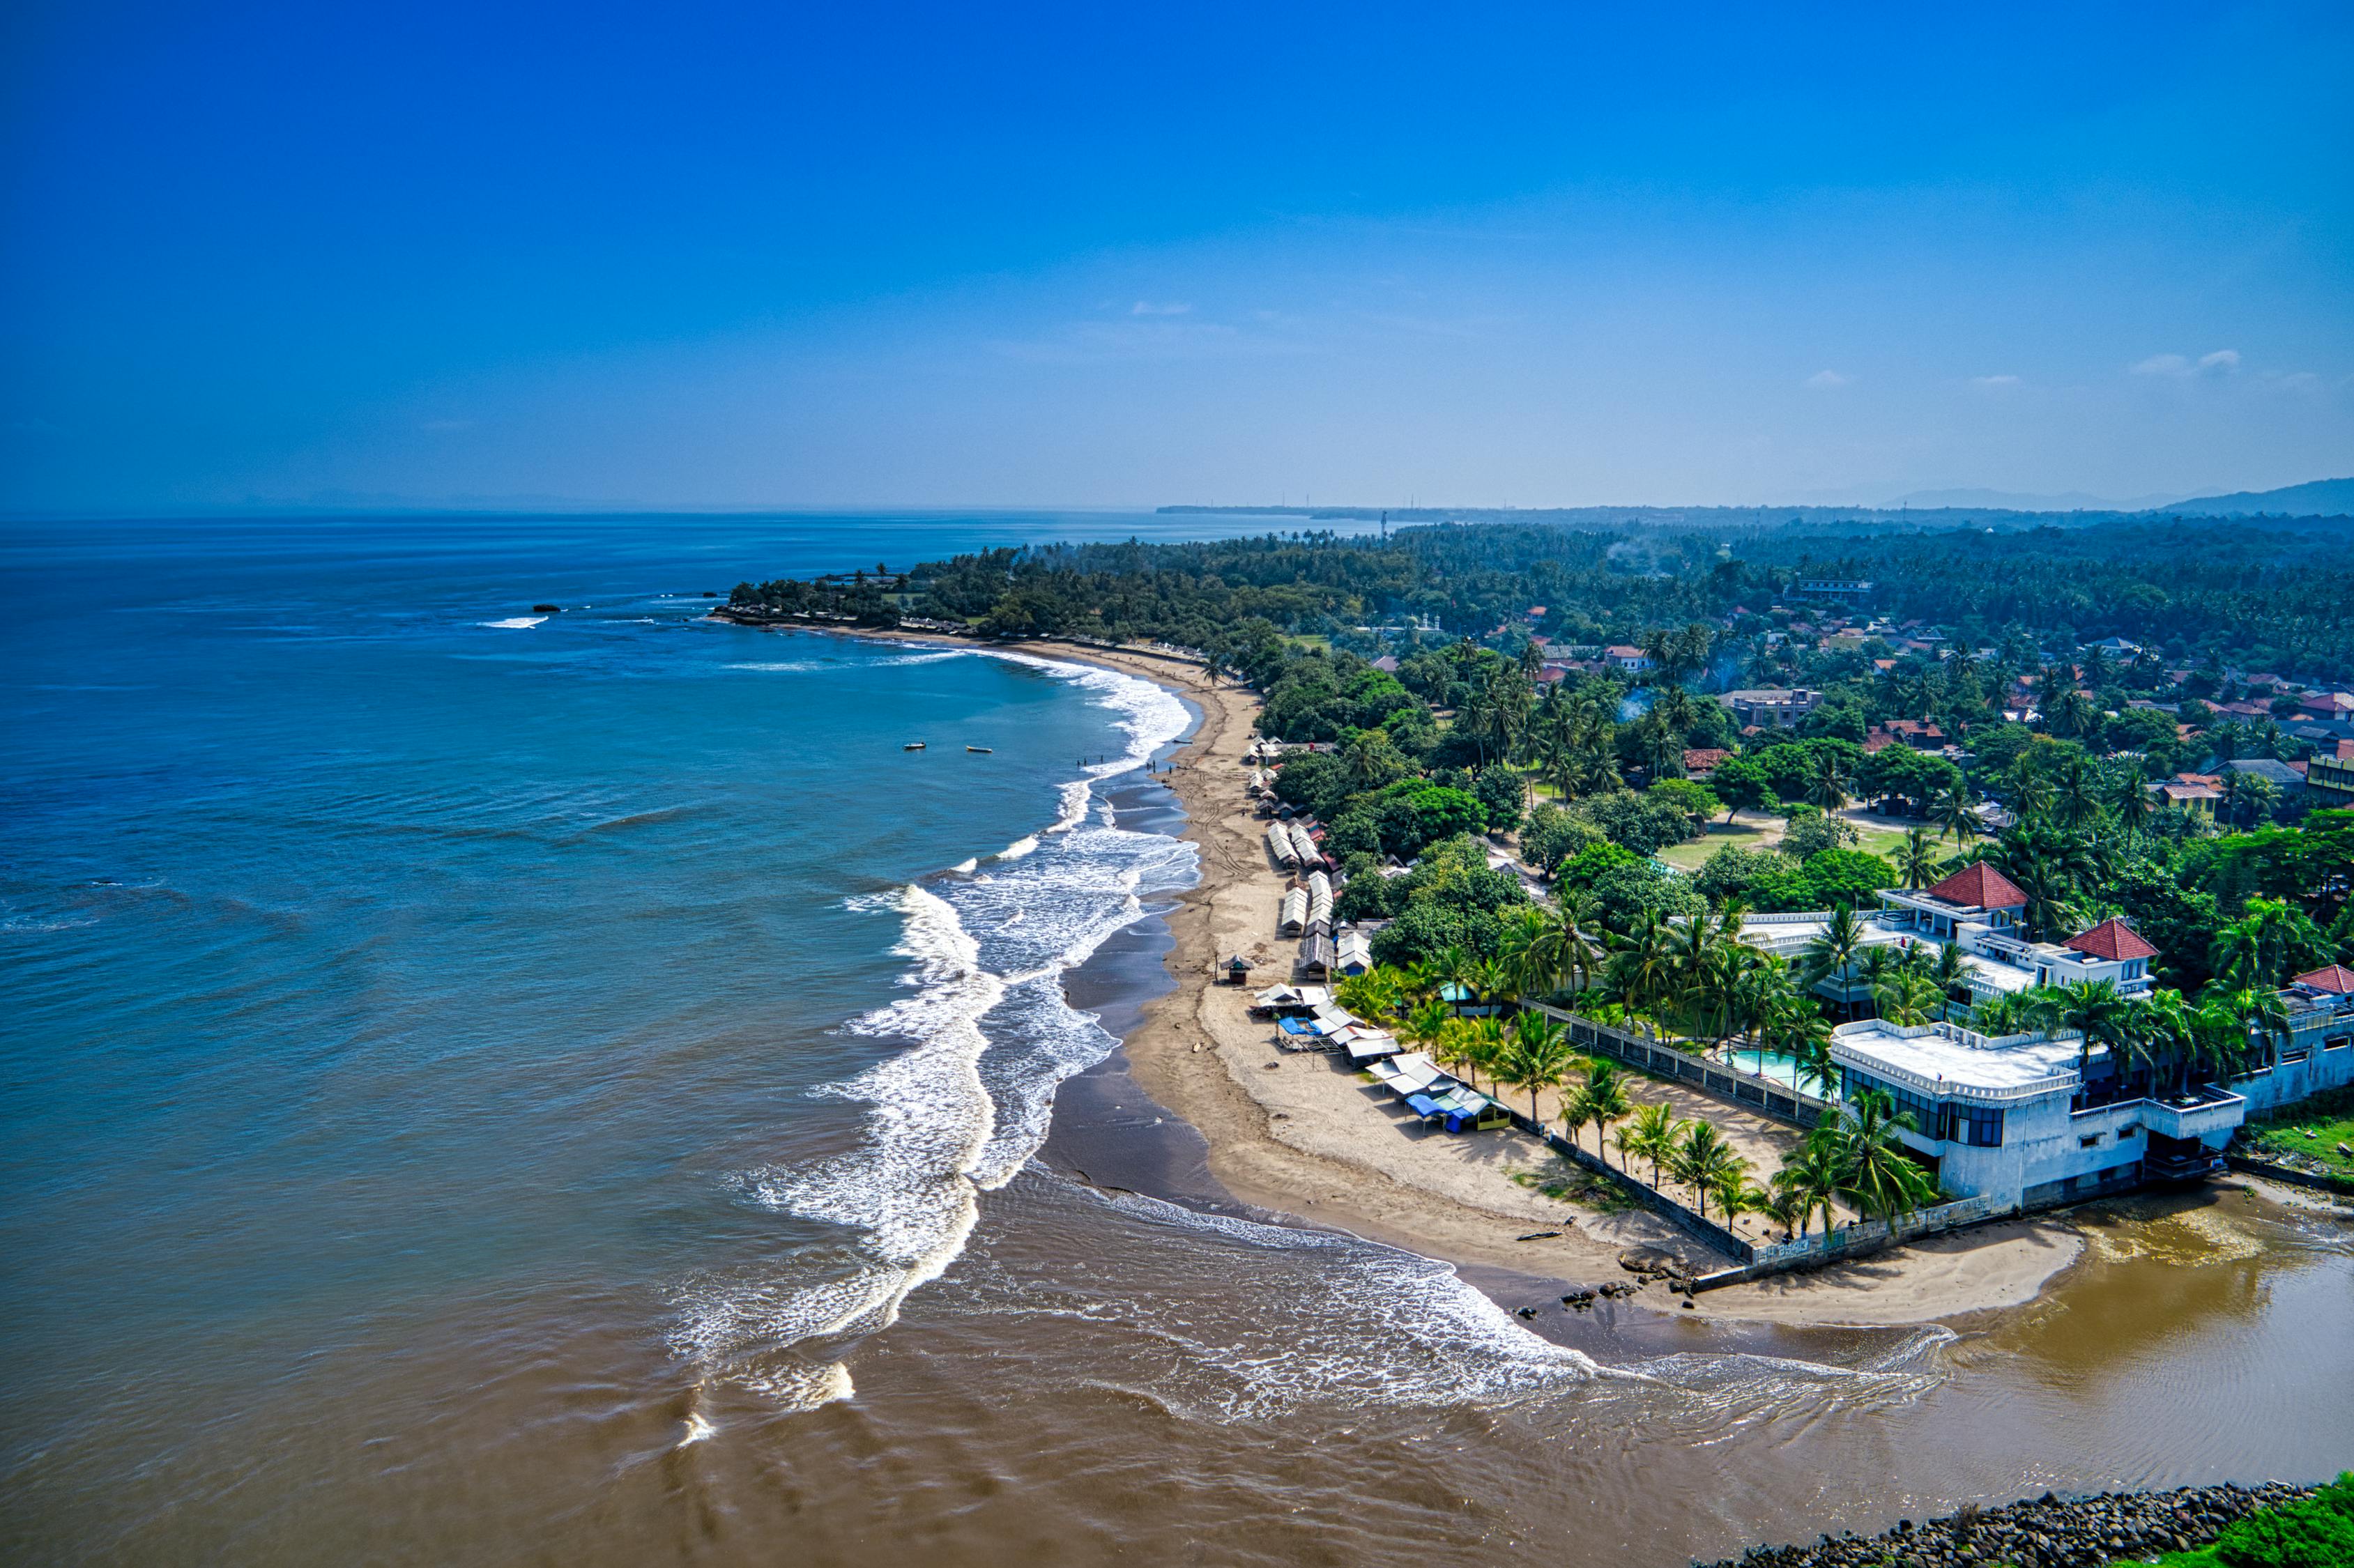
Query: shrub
pixel 1810 833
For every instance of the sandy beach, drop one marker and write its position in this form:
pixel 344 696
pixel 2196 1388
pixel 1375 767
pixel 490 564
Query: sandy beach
pixel 1298 1134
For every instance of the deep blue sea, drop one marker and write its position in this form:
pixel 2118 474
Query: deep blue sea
pixel 486 1086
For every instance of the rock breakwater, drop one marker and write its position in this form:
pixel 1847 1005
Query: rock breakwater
pixel 2049 1531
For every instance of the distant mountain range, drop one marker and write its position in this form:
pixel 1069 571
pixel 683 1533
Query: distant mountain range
pixel 2015 500
pixel 2319 498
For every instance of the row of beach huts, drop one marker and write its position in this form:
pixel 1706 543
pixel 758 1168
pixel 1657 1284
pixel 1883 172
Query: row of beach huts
pixel 1307 1019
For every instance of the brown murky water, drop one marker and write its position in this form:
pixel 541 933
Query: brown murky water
pixel 1108 1376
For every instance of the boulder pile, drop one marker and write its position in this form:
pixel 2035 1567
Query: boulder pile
pixel 2048 1532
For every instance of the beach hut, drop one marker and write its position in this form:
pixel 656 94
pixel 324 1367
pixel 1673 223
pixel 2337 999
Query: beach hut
pixel 1303 845
pixel 1279 844
pixel 1289 1000
pixel 1467 1110
pixel 1237 970
pixel 1319 884
pixel 1352 954
pixel 1294 918
pixel 1414 1073
pixel 1367 1045
pixel 1316 954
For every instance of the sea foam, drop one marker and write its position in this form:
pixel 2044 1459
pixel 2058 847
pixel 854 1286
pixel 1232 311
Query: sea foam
pixel 965 1105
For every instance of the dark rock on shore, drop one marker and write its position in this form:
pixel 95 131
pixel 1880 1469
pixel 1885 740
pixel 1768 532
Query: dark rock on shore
pixel 2048 1532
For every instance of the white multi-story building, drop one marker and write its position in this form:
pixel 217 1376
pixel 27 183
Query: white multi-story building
pixel 2318 1055
pixel 1982 912
pixel 2010 1119
pixel 1978 911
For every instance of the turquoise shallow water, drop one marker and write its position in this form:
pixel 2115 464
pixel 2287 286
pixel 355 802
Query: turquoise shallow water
pixel 373 942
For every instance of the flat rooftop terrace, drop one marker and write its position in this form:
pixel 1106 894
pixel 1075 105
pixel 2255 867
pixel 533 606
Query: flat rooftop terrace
pixel 1945 1058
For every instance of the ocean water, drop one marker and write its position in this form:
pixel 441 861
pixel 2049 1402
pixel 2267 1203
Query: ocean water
pixel 486 1086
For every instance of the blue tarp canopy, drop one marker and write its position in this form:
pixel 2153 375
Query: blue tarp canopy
pixel 1423 1105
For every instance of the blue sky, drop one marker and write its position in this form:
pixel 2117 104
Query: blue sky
pixel 779 255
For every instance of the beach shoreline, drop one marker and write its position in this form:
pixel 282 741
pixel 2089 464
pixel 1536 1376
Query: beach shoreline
pixel 1296 1137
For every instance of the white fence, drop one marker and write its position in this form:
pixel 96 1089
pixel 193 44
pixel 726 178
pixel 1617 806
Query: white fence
pixel 1749 1091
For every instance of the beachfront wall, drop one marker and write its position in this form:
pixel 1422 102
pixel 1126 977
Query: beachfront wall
pixel 1858 1240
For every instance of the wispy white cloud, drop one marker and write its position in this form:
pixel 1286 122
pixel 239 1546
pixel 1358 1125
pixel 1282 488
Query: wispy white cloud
pixel 1827 380
pixel 1994 383
pixel 1149 308
pixel 2178 368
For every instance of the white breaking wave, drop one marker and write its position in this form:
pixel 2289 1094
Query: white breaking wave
pixel 514 623
pixel 803 666
pixel 1262 1319
pixel 960 1110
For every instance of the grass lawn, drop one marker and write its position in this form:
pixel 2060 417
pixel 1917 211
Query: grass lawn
pixel 2288 1136
pixel 1879 840
pixel 1749 832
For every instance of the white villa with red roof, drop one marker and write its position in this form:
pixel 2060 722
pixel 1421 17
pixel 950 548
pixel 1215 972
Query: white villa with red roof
pixel 1981 911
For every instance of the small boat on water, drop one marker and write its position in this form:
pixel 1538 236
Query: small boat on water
pixel 912 745
pixel 982 749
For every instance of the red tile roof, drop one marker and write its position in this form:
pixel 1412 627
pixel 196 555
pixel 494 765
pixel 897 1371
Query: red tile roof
pixel 2337 978
pixel 2114 941
pixel 1979 886
pixel 1700 759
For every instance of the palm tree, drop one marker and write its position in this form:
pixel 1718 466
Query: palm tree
pixel 2077 798
pixel 1873 969
pixel 1876 1175
pixel 1604 1097
pixel 1954 813
pixel 1834 952
pixel 1459 1048
pixel 2254 951
pixel 1376 994
pixel 1798 1029
pixel 1575 1115
pixel 1810 1173
pixel 1457 966
pixel 2094 1007
pixel 1642 964
pixel 1738 1196
pixel 1547 947
pixel 1539 1054
pixel 2258 797
pixel 2261 1015
pixel 1785 1209
pixel 1828 787
pixel 1917 859
pixel 2031 795
pixel 1703 1161
pixel 1952 973
pixel 1426 1024
pixel 1490 1045
pixel 2131 803
pixel 1653 1134
pixel 1908 996
pixel 1629 1139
